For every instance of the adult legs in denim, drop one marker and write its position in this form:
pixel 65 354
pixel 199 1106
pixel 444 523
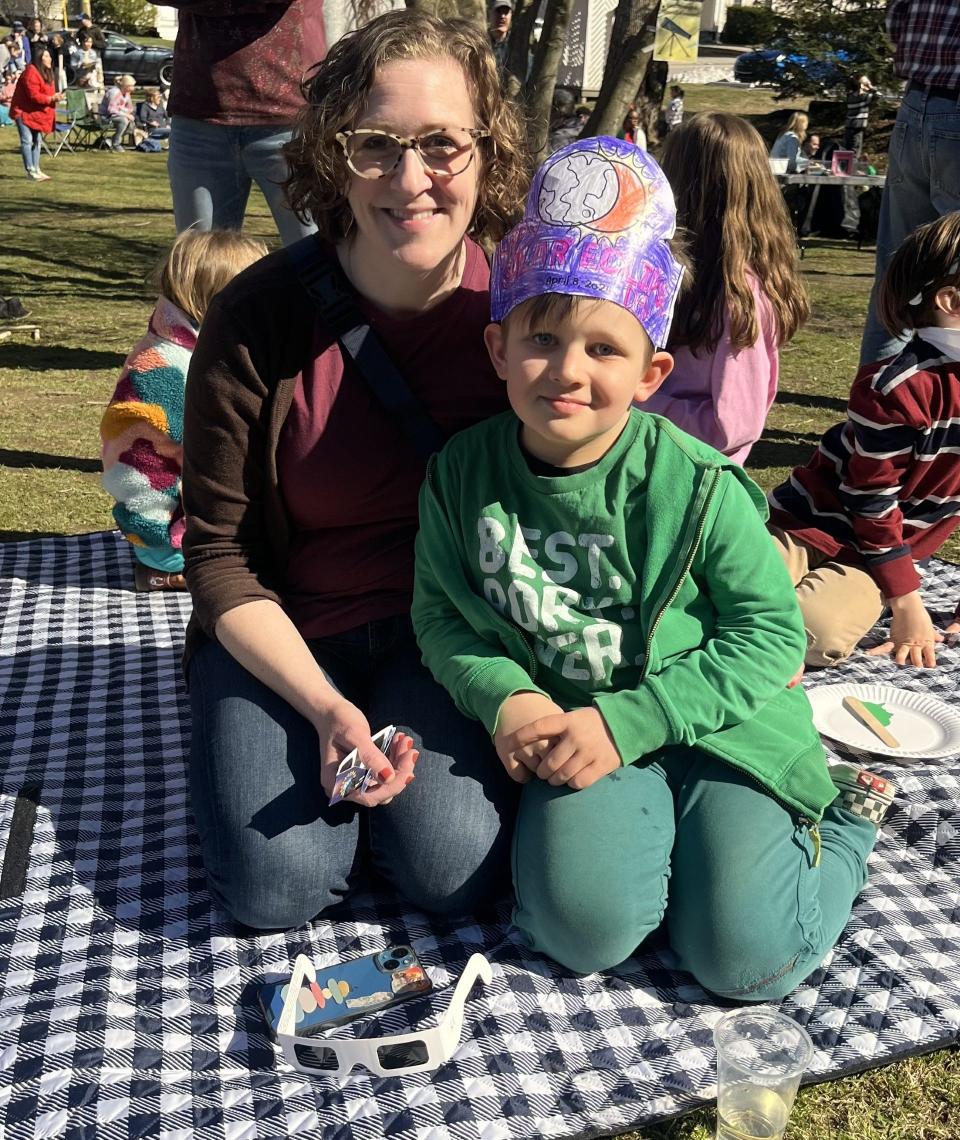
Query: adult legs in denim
pixel 276 855
pixel 29 146
pixel 750 912
pixel 120 124
pixel 211 168
pixel 923 183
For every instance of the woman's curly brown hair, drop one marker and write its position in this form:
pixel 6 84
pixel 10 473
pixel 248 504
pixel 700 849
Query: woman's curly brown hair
pixel 336 94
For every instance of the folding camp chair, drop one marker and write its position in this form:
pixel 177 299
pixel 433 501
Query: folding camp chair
pixel 86 129
pixel 65 125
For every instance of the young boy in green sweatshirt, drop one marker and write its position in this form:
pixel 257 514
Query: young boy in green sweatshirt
pixel 598 588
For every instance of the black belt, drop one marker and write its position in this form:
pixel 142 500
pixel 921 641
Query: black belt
pixel 934 92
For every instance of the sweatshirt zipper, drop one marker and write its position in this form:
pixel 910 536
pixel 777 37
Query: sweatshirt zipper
pixel 803 820
pixel 694 547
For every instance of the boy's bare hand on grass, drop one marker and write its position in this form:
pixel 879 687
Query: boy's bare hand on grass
pixel 576 748
pixel 913 638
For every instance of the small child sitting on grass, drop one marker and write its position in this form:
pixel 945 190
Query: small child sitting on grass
pixel 598 588
pixel 882 492
pixel 142 428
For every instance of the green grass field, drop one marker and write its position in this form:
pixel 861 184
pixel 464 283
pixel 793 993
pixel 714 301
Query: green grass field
pixel 78 250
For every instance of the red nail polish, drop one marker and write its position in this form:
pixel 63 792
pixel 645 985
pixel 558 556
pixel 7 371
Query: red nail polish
pixel 408 781
pixel 384 774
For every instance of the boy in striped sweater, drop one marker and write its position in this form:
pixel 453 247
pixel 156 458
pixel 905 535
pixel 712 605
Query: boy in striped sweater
pixel 882 492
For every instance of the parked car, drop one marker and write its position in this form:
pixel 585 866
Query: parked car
pixel 766 65
pixel 150 66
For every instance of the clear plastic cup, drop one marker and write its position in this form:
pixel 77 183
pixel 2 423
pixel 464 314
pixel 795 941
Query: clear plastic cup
pixel 761 1056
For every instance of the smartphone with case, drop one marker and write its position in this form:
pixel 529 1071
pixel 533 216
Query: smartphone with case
pixel 348 990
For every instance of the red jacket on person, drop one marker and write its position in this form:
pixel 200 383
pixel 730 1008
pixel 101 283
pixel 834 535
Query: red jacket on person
pixel 34 100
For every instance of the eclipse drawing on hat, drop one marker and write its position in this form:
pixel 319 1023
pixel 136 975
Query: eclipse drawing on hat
pixel 597 223
pixel 591 190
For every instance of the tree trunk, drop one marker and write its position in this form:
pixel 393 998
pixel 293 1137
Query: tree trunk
pixel 631 49
pixel 543 77
pixel 475 10
pixel 518 53
pixel 649 100
pixel 446 9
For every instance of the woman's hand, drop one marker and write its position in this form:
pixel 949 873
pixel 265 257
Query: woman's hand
pixel 913 638
pixel 521 762
pixel 341 729
pixel 576 748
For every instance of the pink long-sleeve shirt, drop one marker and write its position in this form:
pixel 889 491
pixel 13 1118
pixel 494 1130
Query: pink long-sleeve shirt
pixel 723 397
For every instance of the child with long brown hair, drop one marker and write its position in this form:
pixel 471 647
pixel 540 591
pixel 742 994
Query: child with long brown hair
pixel 142 428
pixel 747 297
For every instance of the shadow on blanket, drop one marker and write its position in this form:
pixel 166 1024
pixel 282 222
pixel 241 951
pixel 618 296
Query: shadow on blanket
pixel 128 1000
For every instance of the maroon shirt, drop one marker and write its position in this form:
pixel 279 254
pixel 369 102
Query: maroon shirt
pixel 348 475
pixel 239 62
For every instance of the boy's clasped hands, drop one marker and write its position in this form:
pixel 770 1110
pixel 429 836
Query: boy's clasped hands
pixel 535 737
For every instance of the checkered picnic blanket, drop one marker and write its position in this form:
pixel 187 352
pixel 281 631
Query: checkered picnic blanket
pixel 128 1001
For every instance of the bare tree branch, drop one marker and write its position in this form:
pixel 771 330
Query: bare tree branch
pixel 543 77
pixel 631 49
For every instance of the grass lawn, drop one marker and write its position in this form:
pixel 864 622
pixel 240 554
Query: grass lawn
pixel 78 250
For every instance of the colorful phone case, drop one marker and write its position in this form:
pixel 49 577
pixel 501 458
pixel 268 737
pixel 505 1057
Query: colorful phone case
pixel 349 990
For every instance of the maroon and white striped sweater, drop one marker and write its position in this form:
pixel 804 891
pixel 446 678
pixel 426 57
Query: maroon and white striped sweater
pixel 883 488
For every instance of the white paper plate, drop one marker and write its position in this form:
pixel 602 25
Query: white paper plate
pixel 926 728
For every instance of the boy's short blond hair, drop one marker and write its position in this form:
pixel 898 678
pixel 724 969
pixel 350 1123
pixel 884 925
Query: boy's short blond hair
pixel 926 262
pixel 200 263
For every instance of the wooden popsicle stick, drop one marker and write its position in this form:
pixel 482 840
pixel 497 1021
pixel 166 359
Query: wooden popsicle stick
pixel 865 716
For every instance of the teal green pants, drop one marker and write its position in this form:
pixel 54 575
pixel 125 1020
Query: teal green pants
pixel 751 899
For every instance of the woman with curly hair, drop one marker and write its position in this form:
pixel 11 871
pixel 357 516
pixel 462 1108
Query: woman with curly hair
pixel 301 496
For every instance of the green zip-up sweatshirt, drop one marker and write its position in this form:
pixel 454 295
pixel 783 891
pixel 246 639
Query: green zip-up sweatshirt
pixel 646 585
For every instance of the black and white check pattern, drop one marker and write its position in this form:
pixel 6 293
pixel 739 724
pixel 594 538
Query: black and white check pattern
pixel 128 1002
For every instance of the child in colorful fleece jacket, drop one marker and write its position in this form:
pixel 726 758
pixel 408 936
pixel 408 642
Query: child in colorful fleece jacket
pixel 599 590
pixel 142 428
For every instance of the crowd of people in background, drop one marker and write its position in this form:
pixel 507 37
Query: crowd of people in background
pixel 36 68
pixel 35 59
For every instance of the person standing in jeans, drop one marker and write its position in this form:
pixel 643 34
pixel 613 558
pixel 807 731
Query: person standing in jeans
pixel 860 95
pixel 238 66
pixel 923 168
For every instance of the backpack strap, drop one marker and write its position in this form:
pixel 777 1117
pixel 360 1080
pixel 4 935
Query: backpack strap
pixel 337 302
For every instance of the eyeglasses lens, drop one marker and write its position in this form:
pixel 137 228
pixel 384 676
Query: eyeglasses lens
pixel 315 1057
pixel 403 1056
pixel 373 154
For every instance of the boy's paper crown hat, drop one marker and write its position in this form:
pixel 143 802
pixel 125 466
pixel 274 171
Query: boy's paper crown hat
pixel 597 222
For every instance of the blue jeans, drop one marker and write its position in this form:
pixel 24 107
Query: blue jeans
pixel 686 838
pixel 29 146
pixel 120 125
pixel 211 168
pixel 923 184
pixel 276 855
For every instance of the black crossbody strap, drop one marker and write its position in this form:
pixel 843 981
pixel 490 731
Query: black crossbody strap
pixel 336 300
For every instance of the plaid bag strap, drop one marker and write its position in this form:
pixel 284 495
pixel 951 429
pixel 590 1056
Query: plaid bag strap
pixel 336 299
